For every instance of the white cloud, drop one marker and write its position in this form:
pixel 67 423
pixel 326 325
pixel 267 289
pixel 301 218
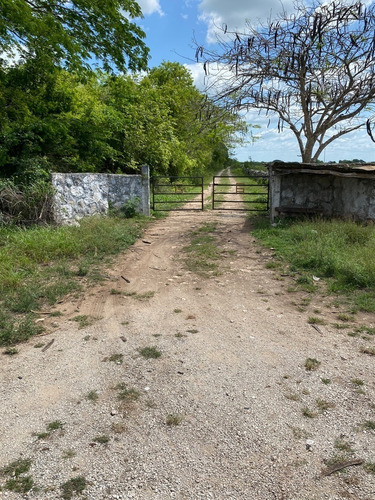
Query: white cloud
pixel 237 13
pixel 150 7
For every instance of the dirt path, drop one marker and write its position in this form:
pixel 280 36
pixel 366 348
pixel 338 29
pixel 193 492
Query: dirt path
pixel 230 382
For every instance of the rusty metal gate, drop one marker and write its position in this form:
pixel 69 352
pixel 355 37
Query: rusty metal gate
pixel 177 193
pixel 244 193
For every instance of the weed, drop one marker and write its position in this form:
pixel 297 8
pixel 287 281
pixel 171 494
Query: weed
pixel 292 397
pixel 340 326
pixel 345 317
pixel 68 454
pixel 38 345
pixel 149 352
pixel 368 350
pixel 140 296
pixel 42 435
pixel 324 405
pixel 92 396
pixel 17 467
pixel 313 320
pixel 18 482
pixel 10 351
pixel 326 381
pixel 156 335
pixel 115 292
pixel 369 424
pixel 103 439
pixel 126 394
pixel 55 425
pixel 116 358
pixel 299 433
pixel 357 382
pixel 312 364
pixel 118 427
pixel 369 467
pixel 306 412
pixel 74 486
pixel 193 330
pixel 84 320
pixel 21 484
pixel 179 335
pixel 365 329
pixel 344 446
pixel 55 314
pixel 173 419
pixel 177 311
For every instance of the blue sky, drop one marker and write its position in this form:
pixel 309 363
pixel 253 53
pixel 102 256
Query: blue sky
pixel 171 27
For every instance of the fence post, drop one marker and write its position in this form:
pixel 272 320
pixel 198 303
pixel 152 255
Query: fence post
pixel 145 201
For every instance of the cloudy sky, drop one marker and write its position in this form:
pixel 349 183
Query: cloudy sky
pixel 173 26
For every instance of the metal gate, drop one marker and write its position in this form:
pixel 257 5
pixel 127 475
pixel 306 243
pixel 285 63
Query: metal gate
pixel 245 193
pixel 177 193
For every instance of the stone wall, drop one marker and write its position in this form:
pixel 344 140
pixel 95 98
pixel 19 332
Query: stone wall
pixel 81 195
pixel 349 193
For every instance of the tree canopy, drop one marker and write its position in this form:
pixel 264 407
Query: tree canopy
pixel 314 69
pixel 60 121
pixel 71 33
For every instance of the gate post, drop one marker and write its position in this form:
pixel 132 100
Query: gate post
pixel 145 199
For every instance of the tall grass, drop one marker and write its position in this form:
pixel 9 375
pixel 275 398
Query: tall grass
pixel 39 265
pixel 342 251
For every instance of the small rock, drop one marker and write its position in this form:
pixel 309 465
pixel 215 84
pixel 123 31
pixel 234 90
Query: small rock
pixel 309 444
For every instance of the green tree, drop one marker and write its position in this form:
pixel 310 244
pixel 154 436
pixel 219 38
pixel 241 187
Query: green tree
pixel 73 33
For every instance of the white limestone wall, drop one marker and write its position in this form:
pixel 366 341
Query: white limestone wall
pixel 82 195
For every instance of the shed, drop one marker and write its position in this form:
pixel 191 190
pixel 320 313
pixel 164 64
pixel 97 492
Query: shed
pixel 327 189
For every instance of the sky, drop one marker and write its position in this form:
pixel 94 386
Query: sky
pixel 174 29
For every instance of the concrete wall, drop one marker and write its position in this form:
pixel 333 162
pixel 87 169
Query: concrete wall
pixel 81 195
pixel 330 195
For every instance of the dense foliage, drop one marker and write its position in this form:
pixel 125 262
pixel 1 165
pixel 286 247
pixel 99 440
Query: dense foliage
pixel 54 120
pixel 70 33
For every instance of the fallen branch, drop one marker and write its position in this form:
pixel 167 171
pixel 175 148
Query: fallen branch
pixel 48 345
pixel 341 465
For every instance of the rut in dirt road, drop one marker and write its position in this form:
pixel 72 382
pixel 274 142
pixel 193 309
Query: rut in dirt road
pixel 216 410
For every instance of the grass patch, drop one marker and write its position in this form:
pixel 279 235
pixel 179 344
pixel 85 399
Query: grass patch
pixel 74 486
pixel 117 358
pixel 312 364
pixel 306 412
pixel 92 396
pixel 313 320
pixel 368 350
pixel 18 481
pixel 140 296
pixel 103 439
pixel 369 425
pixel 369 467
pixel 41 265
pixel 127 394
pixel 84 320
pixel 203 252
pixel 174 419
pixel 340 251
pixel 149 352
pixel 326 381
pixel 343 446
pixel 324 405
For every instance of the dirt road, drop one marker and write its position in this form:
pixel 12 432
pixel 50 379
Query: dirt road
pixel 228 410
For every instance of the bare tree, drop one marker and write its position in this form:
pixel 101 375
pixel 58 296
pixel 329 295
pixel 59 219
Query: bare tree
pixel 314 69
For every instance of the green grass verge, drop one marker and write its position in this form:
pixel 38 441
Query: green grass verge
pixel 340 251
pixel 40 265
